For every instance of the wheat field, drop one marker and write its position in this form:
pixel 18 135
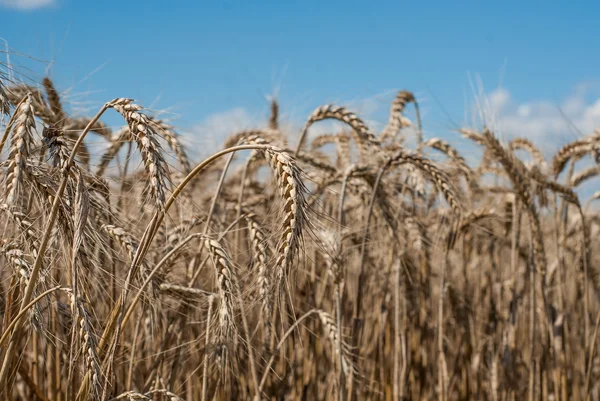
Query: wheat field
pixel 354 265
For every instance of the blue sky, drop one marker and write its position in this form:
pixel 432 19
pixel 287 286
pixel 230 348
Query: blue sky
pixel 212 64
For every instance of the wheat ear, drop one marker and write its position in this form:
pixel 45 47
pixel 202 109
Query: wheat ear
pixel 396 120
pixel 20 142
pixel 341 114
pixel 145 137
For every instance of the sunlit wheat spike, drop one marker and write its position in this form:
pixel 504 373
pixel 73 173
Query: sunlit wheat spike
pixel 185 293
pixel 526 144
pixel 330 241
pixel 21 138
pixel 123 237
pixel 396 120
pixel 89 345
pixel 584 175
pixel 15 254
pixel 331 331
pixel 451 152
pixel 25 226
pixel 260 252
pixel 173 139
pixel 575 150
pixel 145 137
pixel 339 113
pixel 18 258
pixel 513 166
pixel 472 135
pixel 439 178
pixel 293 192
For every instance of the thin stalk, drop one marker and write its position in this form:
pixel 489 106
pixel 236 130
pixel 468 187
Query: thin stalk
pixel 363 251
pixel 588 375
pixel 206 342
pixel 442 369
pixel 248 341
pixel 136 332
pixel 240 200
pixel 532 321
pixel 338 285
pixel 397 334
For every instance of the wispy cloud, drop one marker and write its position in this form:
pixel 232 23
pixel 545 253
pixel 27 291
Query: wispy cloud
pixel 27 5
pixel 214 129
pixel 548 123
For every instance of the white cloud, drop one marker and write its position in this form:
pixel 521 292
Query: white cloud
pixel 212 132
pixel 549 124
pixel 216 128
pixel 26 4
pixel 499 100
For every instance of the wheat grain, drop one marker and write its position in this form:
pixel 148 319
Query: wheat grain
pixel 20 142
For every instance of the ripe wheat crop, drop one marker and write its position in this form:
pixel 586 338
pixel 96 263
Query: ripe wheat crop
pixel 268 271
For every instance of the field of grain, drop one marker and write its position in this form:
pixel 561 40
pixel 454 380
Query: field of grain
pixel 356 265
